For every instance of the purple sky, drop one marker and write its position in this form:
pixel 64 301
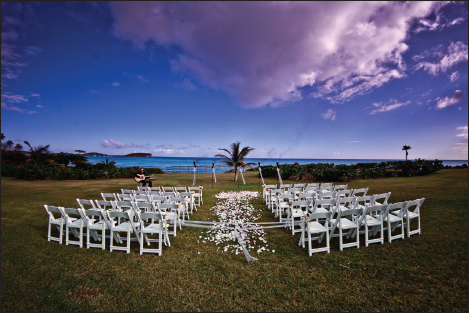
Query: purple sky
pixel 291 79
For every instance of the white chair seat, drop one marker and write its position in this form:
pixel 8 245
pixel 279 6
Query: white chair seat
pixel 151 228
pixel 347 224
pixel 371 221
pixel 122 227
pixel 315 227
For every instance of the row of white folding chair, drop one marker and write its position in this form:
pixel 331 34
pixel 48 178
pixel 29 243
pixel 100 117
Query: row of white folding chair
pixel 128 221
pixel 121 206
pixel 195 191
pixel 394 215
pixel 323 205
pixel 152 196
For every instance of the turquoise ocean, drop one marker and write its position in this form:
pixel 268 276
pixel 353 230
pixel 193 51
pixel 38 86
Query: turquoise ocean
pixel 163 162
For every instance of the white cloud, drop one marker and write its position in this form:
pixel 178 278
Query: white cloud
pixel 264 52
pixel 439 61
pixel 455 98
pixel 115 84
pixel 388 106
pixel 40 106
pixel 12 98
pixel 119 145
pixel 463 133
pixel 139 77
pixel 355 141
pixel 454 76
pixel 17 18
pixel 329 115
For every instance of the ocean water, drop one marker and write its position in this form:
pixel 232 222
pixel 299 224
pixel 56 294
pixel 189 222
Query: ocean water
pixel 163 162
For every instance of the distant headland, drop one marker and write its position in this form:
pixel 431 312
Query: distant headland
pixel 133 155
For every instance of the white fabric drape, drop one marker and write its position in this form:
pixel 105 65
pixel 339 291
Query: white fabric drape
pixel 214 176
pixel 260 173
pixel 241 171
pixel 279 177
pixel 193 181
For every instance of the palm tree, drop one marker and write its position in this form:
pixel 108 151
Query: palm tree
pixel 406 152
pixel 108 165
pixel 235 157
pixel 9 144
pixel 3 136
pixel 18 147
pixel 38 153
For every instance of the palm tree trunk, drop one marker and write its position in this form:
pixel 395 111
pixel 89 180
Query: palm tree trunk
pixel 236 174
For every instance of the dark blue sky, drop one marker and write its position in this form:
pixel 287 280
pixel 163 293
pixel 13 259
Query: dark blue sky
pixel 293 80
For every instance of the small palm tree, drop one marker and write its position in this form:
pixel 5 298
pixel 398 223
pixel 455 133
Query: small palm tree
pixel 406 152
pixel 38 153
pixel 235 157
pixel 108 165
pixel 3 136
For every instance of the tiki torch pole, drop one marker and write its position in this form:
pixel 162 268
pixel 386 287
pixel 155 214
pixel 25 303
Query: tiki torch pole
pixel 277 175
pixel 213 164
pixel 259 175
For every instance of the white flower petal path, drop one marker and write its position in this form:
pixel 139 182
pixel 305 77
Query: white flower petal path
pixel 233 211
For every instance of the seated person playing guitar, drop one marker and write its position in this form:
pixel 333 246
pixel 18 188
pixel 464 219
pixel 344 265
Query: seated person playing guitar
pixel 140 176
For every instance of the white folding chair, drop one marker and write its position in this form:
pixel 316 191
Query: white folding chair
pixel 373 216
pixel 182 207
pixel 312 185
pixel 94 221
pixel 154 226
pixel 347 203
pixel 394 220
pixel 155 189
pixel 125 197
pixel 171 215
pixel 197 194
pixel 120 223
pixel 178 190
pixel 324 194
pixel 297 212
pixel 57 220
pixel 381 198
pixel 127 191
pixel 344 193
pixel 346 220
pixel 316 223
pixel 302 186
pixel 359 192
pixel 74 224
pixel 413 211
pixel 266 190
pixel 86 204
pixel 190 200
pixel 324 206
pixel 285 187
pixel 109 197
pixel 167 189
pixel 141 198
pixel 146 189
pixel 340 187
pixel 284 203
pixel 364 201
pixel 272 200
pixel 105 205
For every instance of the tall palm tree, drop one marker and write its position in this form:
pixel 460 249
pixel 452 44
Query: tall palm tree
pixel 235 157
pixel 38 153
pixel 406 152
pixel 9 144
pixel 18 147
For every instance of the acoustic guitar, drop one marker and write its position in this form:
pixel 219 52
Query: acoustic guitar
pixel 143 177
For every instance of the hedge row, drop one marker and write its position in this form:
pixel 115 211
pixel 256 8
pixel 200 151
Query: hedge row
pixel 344 173
pixel 34 172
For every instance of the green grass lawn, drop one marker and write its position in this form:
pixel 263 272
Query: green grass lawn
pixel 427 272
